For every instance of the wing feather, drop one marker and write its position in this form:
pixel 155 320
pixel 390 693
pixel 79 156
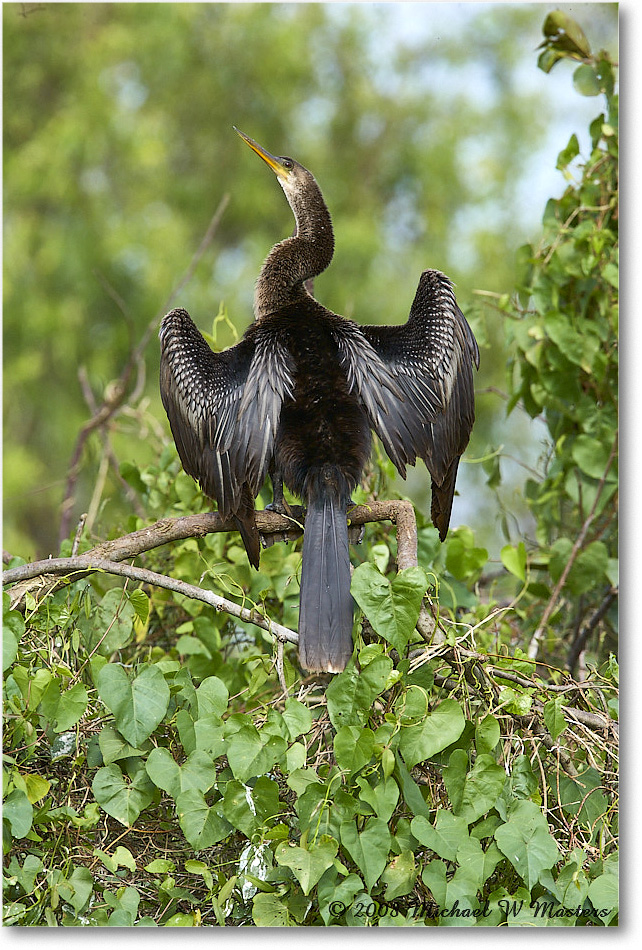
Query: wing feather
pixel 223 408
pixel 416 383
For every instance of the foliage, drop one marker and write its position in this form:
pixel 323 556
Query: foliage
pixel 156 773
pixel 118 148
pixel 563 369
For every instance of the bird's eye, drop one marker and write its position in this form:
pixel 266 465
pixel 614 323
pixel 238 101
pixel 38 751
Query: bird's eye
pixel 286 162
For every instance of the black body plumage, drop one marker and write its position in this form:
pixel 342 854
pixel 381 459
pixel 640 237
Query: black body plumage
pixel 298 397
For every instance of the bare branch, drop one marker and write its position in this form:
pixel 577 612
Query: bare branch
pixel 577 547
pixel 86 563
pixel 116 392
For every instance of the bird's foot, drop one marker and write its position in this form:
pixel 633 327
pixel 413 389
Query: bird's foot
pixel 356 531
pixel 280 507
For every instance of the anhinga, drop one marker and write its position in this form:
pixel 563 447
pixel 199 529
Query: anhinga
pixel 298 397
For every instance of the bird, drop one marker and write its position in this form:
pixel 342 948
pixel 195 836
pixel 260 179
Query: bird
pixel 299 396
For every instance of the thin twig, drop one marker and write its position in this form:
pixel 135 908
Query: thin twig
pixel 116 392
pixel 588 627
pixel 85 564
pixel 533 646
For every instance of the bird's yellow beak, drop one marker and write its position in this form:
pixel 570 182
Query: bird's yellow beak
pixel 275 164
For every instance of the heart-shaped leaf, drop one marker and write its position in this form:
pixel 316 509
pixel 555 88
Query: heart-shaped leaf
pixel 138 706
pixel 474 792
pixel 526 841
pixel 249 753
pixel 368 848
pixel 77 889
pixel 197 772
pixel 391 606
pixel 120 797
pixel 353 747
pixel 437 731
pixel 201 825
pixel 308 866
pixel 381 797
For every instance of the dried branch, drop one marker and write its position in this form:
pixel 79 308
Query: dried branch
pixel 107 557
pixel 116 392
pixel 268 523
pixel 533 646
pixel 588 627
pixel 86 563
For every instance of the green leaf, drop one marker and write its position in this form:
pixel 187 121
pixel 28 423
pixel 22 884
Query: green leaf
pixel 527 843
pixel 571 151
pixel 582 796
pixel 18 811
pixel 353 747
pixel 368 848
pixel 487 734
pixel 139 706
pixel 77 889
pixel 590 568
pixel 587 81
pixel 334 897
pixel 250 754
pixel 308 865
pixel 250 809
pixel 140 602
pixel 591 455
pixel 514 559
pixel 554 717
pixel 120 797
pixel 603 892
pixel 400 875
pixel 440 728
pixel 212 696
pixel 201 825
pixel 463 558
pixel 63 708
pixel 350 694
pixel 565 36
pixel 125 906
pixel 434 877
pixel 111 625
pixel 13 628
pixel 577 347
pixel 409 789
pixel 123 858
pixel 473 792
pixel 163 866
pixel 196 772
pixel 382 797
pixel 269 911
pixel 391 606
pixel 113 747
pixel 445 837
pixel 298 717
pixel 36 787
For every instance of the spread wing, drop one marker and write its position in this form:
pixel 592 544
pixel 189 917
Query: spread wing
pixel 420 395
pixel 223 408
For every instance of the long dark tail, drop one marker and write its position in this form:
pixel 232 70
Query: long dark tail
pixel 326 611
pixel 442 500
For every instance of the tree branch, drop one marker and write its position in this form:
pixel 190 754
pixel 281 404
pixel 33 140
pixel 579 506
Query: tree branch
pixel 107 557
pixel 29 577
pixel 86 563
pixel 533 646
pixel 117 391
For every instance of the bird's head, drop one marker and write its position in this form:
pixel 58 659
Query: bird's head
pixel 292 176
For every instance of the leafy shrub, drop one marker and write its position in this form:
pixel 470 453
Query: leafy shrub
pixel 157 773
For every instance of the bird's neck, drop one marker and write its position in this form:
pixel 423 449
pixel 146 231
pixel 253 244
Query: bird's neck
pixel 296 259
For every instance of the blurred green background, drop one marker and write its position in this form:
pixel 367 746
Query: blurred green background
pixel 430 129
